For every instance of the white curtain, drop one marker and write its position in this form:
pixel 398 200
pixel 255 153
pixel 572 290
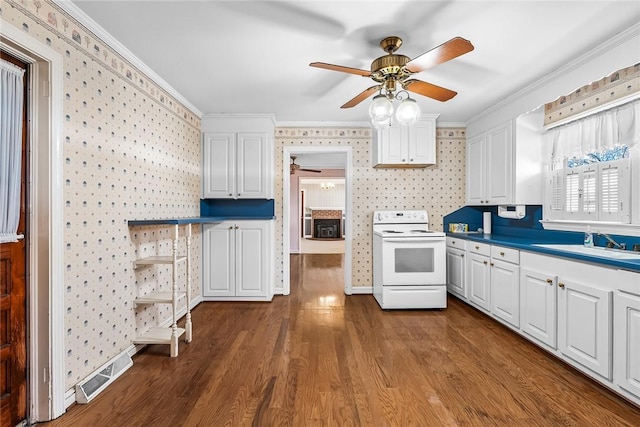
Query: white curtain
pixel 598 137
pixel 11 104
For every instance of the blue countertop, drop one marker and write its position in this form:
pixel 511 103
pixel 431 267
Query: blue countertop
pixel 526 244
pixel 194 220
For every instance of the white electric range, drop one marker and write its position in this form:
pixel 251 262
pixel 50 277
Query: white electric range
pixel 409 261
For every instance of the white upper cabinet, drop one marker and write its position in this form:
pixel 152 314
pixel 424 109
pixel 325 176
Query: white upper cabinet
pixel 400 146
pixel 504 163
pixel 237 157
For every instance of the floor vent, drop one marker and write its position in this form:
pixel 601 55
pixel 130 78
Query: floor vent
pixel 91 386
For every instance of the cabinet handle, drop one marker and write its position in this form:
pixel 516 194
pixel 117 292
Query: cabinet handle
pixel 237 227
pixel 230 195
pixel 477 247
pixel 462 256
pixel 549 281
pixel 411 160
pixel 501 253
pixel 491 264
pixel 230 227
pixel 238 194
pixel 561 285
pixel 404 160
pixel 485 263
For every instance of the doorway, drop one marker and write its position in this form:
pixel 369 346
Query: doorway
pixel 45 274
pixel 293 222
pixel 13 279
pixel 321 213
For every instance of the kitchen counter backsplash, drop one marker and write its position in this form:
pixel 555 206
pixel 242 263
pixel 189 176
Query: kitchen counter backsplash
pixel 525 229
pixel 244 208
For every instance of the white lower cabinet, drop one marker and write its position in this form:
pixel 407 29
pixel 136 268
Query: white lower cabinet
pixel 237 261
pixel 494 281
pixel 585 314
pixel 479 274
pixel 627 333
pixel 585 324
pixel 456 267
pixel 538 305
pixel 505 291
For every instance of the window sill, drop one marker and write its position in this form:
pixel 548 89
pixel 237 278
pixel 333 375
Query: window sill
pixel 596 227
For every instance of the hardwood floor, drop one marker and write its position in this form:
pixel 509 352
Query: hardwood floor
pixel 320 358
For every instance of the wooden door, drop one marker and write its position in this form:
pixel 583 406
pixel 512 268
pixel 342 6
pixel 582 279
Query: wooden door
pixel 13 302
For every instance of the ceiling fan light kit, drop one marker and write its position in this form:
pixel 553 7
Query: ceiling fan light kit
pixel 393 70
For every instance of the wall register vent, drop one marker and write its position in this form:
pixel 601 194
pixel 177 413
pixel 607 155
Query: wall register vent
pixel 91 386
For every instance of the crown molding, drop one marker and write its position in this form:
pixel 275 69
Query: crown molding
pixel 620 38
pixel 107 38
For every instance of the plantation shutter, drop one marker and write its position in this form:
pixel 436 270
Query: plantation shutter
pixel 572 194
pixel 614 187
pixel 555 198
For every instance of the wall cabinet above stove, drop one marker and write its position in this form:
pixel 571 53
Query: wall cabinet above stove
pixel 399 146
pixel 237 157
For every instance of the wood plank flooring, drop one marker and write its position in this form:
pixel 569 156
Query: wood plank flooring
pixel 320 358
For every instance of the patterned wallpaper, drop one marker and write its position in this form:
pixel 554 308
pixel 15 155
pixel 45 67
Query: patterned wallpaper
pixel 130 152
pixel 440 189
pixel 618 84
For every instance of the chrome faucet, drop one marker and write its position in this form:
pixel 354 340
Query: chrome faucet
pixel 612 243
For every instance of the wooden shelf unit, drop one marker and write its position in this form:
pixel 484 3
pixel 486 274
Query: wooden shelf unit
pixel 169 335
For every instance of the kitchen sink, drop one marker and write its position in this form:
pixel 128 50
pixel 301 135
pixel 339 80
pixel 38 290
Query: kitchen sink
pixel 595 251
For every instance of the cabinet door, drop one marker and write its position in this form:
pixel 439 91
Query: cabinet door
pixel 479 280
pixel 392 147
pixel 456 271
pixel 584 325
pixel 499 164
pixel 251 166
pixel 218 266
pixel 252 276
pixel 421 142
pixel 476 171
pixel 505 291
pixel 538 306
pixel 627 342
pixel 218 168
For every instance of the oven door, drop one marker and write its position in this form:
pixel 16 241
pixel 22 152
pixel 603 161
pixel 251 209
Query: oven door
pixel 413 261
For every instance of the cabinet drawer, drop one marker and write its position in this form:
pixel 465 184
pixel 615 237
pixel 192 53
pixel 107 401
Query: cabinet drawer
pixel 454 242
pixel 480 248
pixel 505 254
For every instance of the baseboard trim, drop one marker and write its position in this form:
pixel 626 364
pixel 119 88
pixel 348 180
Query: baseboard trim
pixel 357 290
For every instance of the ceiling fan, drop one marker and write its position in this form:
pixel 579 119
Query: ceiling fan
pixel 295 167
pixel 391 70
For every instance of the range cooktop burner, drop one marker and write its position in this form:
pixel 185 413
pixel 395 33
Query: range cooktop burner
pixel 421 231
pixel 392 231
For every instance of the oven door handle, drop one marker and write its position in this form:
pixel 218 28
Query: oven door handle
pixel 401 240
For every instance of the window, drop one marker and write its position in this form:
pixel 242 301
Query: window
pixel 589 167
pixel 595 192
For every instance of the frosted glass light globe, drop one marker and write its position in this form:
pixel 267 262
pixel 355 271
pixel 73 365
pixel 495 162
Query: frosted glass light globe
pixel 408 112
pixel 381 108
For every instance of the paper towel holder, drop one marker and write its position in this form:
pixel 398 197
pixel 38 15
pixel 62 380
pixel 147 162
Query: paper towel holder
pixel 512 211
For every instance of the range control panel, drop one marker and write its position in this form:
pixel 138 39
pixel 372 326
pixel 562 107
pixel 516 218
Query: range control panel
pixel 400 217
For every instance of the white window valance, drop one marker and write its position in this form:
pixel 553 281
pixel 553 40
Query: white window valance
pixel 605 136
pixel 11 105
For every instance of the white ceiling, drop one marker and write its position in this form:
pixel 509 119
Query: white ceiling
pixel 253 56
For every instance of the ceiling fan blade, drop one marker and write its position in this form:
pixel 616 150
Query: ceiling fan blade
pixel 310 170
pixel 364 73
pixel 446 51
pixel 361 96
pixel 429 90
